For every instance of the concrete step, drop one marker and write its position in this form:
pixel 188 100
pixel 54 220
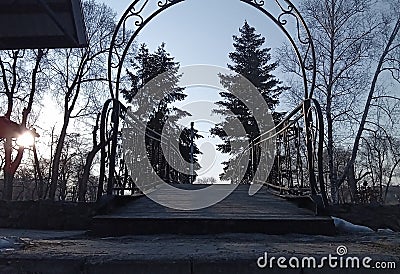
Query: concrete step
pixel 238 213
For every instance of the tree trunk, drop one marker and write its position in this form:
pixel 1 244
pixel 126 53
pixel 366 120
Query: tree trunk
pixel 82 189
pixel 39 174
pixel 329 119
pixel 10 167
pixel 8 186
pixel 352 184
pixel 57 159
pixel 8 175
pixel 331 164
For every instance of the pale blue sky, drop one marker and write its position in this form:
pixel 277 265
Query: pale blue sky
pixel 200 32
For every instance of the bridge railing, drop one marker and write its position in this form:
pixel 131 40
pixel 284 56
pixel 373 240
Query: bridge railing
pixel 115 178
pixel 297 161
pixel 294 152
pixel 110 171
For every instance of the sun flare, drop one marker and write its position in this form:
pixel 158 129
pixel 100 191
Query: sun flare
pixel 26 139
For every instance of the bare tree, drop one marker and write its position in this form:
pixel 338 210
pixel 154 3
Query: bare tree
pixel 79 76
pixel 20 73
pixel 379 155
pixel 343 36
pixel 388 62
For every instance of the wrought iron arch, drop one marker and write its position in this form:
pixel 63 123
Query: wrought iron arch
pixel 300 40
pixel 302 44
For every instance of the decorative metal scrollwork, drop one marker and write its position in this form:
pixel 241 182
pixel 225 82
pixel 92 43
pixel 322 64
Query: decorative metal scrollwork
pixel 165 2
pixel 301 40
pixel 135 13
pixel 288 9
pixel 260 3
pixel 142 12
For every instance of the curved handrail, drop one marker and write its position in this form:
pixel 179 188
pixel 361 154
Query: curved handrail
pixel 313 156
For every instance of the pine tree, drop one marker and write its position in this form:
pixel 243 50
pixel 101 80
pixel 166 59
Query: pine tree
pixel 146 67
pixel 252 61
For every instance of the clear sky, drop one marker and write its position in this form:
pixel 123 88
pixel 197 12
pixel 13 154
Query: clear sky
pixel 200 32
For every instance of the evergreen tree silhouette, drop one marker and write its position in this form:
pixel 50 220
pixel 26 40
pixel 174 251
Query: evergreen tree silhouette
pixel 160 115
pixel 252 61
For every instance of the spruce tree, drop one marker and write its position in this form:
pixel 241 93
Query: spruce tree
pixel 252 61
pixel 146 67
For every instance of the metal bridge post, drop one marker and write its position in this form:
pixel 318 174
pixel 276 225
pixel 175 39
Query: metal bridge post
pixel 113 152
pixel 309 144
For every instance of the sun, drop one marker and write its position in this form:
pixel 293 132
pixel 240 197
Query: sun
pixel 26 139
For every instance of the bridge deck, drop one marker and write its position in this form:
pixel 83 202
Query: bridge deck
pixel 239 212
